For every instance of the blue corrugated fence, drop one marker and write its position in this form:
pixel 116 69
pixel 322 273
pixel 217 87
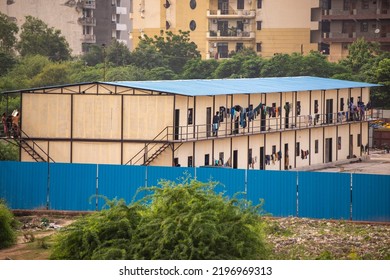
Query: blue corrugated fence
pixel 80 187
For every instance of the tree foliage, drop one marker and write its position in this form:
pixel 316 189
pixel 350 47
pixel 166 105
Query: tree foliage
pixel 37 38
pixel 178 221
pixel 8 31
pixel 8 151
pixel 7 226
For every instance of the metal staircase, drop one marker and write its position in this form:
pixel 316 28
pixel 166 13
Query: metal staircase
pixel 34 150
pixel 158 145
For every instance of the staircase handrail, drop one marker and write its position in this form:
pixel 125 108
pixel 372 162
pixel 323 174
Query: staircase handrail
pixel 34 143
pixel 147 145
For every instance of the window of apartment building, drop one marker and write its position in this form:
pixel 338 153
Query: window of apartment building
pixel 316 146
pixel 258 25
pixel 240 4
pixel 359 140
pixel 259 4
pixel 341 104
pixel 207 159
pixel 346 5
pixel 189 161
pixel 298 109
pixel 167 4
pixel 190 113
pixel 239 46
pixel 258 47
pixel 249 156
pixel 297 149
pixel 223 50
pixel 176 162
pixel 339 143
pixel 365 4
pixel 193 4
pixel 192 25
pixel 364 26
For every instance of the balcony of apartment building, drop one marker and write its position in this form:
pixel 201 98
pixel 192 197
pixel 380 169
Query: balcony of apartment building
pixel 88 4
pixel 231 14
pixel 87 21
pixel 358 10
pixel 230 30
pixel 88 38
pixel 337 37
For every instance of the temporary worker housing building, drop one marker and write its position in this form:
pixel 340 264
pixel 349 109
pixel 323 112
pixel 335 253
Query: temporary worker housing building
pixel 264 123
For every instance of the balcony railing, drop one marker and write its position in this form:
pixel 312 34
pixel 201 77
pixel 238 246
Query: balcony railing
pixel 350 37
pixel 90 21
pixel 230 34
pixel 89 38
pixel 356 14
pixel 233 127
pixel 231 13
pixel 88 4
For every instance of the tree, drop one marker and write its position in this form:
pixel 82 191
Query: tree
pixel 8 31
pixel 199 69
pixel 174 49
pixel 160 73
pixel 37 38
pixel 52 74
pixel 180 221
pixel 7 62
pixel 277 66
pixel 126 73
pixel 93 56
pixel 381 96
pixel 118 54
pixel 7 226
pixel 8 152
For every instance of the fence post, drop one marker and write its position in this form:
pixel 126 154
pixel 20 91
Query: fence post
pixel 297 196
pixel 350 201
pixel 146 176
pixel 97 188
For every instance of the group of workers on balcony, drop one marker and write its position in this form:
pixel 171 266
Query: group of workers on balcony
pixel 11 124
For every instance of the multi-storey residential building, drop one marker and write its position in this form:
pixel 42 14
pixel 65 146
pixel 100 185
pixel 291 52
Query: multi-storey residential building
pixel 219 27
pixel 341 22
pixel 82 22
pixel 264 123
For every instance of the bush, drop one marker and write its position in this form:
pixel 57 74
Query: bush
pixel 177 221
pixel 7 224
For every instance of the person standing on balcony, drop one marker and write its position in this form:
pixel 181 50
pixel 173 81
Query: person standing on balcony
pixel 215 124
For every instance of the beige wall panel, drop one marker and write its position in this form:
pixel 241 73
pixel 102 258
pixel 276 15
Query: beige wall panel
pixel 241 145
pixel 46 115
pixel 222 146
pixel 183 153
pixel 132 149
pixel 202 102
pixel 288 137
pixel 145 117
pixel 96 152
pixel 255 142
pixel 201 149
pixel 164 159
pixel 272 139
pixel 60 151
pixel 41 150
pixel 97 116
pixel 302 120
pixel 355 130
pixel 146 14
pixel 343 132
pixel 304 142
pixel 317 134
pixel 343 93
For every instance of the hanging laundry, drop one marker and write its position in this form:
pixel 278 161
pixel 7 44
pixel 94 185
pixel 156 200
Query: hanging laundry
pixel 280 155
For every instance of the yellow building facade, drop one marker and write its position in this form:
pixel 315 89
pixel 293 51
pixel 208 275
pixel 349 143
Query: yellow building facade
pixel 219 27
pixel 263 123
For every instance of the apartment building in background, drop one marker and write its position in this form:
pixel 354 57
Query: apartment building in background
pixel 82 22
pixel 338 23
pixel 220 27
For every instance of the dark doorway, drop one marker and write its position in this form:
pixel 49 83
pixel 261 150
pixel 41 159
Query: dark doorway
pixel 262 120
pixel 235 159
pixel 177 124
pixel 329 111
pixel 287 111
pixel 328 150
pixel 286 158
pixel 208 121
pixel 261 158
pixel 350 146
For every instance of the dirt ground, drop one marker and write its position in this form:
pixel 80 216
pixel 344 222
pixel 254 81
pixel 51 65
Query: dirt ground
pixel 290 238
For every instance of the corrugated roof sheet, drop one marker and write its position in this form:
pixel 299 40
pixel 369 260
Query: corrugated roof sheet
pixel 241 86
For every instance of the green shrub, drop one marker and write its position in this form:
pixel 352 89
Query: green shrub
pixel 177 221
pixel 7 230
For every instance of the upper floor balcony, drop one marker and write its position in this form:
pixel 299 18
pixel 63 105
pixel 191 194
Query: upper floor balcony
pixel 89 38
pixel 88 4
pixel 356 14
pixel 230 35
pixel 233 14
pixel 337 37
pixel 88 21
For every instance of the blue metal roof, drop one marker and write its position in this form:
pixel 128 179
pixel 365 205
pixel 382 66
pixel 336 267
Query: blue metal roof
pixel 241 86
